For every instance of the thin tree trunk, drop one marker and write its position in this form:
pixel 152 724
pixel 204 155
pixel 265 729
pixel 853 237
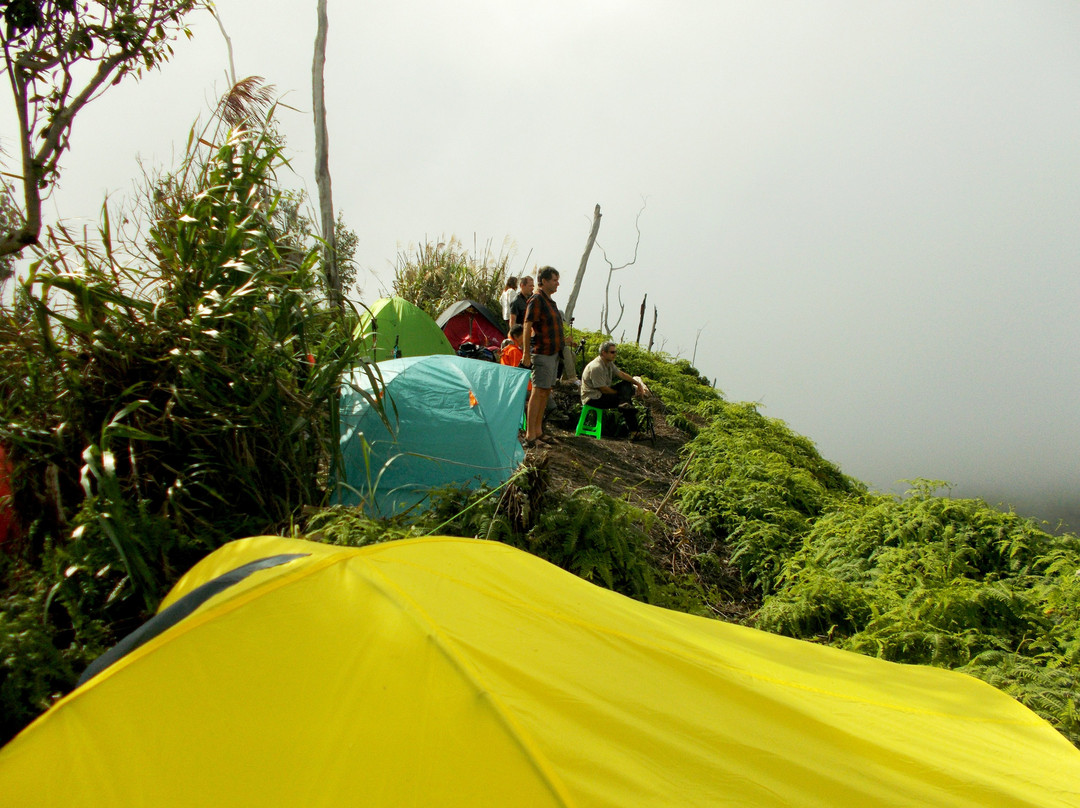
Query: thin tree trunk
pixel 572 301
pixel 693 359
pixel 228 46
pixel 569 364
pixel 652 334
pixel 641 321
pixel 322 164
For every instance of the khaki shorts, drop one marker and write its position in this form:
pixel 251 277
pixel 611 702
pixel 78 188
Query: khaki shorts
pixel 545 370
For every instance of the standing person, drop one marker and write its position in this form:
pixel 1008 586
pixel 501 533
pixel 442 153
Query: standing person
pixel 517 307
pixel 507 297
pixel 599 388
pixel 542 342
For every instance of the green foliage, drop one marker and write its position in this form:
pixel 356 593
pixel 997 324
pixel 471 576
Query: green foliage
pixel 352 527
pixel 758 486
pixel 437 275
pixel 187 378
pixel 587 532
pixel 598 537
pixel 54 620
pixel 941 581
pixel 158 401
pixel 33 671
pixel 58 57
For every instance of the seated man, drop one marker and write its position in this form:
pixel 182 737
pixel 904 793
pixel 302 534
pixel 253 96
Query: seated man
pixel 599 388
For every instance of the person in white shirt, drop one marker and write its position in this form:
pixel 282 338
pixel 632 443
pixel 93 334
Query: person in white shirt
pixel 507 297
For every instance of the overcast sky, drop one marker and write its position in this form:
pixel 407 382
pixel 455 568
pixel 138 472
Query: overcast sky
pixel 871 211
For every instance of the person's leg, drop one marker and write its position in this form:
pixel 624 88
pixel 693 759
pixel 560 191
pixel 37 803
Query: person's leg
pixel 624 393
pixel 614 401
pixel 537 405
pixel 543 380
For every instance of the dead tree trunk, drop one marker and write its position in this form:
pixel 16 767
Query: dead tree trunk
pixel 640 321
pixel 652 334
pixel 322 165
pixel 569 366
pixel 572 300
pixel 693 359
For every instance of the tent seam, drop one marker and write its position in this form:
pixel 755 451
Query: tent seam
pixel 459 660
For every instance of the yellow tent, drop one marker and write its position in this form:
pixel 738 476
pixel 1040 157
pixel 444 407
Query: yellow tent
pixel 446 672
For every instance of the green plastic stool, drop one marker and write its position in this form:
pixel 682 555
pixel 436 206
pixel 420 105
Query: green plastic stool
pixel 596 427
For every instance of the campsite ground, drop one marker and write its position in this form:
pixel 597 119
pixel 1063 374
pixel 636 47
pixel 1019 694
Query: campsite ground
pixel 643 473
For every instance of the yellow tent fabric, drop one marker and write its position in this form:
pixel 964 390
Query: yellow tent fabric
pixel 458 672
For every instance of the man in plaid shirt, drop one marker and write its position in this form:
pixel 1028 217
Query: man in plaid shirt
pixel 542 345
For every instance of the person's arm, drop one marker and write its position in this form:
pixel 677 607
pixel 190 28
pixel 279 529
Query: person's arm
pixel 628 378
pixel 526 344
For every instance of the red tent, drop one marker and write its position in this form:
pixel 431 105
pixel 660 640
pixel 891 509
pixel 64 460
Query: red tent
pixel 9 525
pixel 469 321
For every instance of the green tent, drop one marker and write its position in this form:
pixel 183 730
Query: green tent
pixel 394 321
pixel 454 421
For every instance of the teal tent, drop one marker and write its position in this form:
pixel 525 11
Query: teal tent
pixel 395 322
pixel 454 421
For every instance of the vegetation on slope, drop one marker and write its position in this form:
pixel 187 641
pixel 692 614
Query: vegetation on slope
pixel 925 579
pixel 159 400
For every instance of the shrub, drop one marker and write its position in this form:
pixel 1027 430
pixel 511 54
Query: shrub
pixel 940 581
pixel 158 401
pixel 436 275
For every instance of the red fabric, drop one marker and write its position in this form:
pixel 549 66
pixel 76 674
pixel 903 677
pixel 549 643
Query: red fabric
pixel 547 329
pixel 9 526
pixel 471 327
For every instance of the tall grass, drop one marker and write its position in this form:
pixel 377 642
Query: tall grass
pixel 158 399
pixel 433 276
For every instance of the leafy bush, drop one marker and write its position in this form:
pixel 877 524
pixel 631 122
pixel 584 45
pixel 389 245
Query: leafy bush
pixel 758 486
pixel 183 383
pixel 598 537
pixel 941 581
pixel 157 401
pixel 436 275
pixel 587 532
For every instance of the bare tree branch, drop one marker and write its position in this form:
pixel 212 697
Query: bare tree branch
pixel 44 55
pixel 228 47
pixel 606 327
pixel 569 365
pixel 693 359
